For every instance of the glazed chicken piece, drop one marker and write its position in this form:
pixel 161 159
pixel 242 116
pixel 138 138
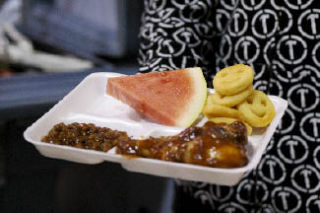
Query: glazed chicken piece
pixel 214 145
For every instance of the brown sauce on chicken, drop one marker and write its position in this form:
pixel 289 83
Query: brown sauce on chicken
pixel 214 145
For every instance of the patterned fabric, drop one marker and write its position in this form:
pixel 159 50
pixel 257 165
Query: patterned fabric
pixel 281 40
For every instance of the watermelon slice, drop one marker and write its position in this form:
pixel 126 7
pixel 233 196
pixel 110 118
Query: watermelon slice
pixel 173 98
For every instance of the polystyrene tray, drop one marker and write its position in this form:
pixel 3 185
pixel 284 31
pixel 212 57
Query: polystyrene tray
pixel 89 103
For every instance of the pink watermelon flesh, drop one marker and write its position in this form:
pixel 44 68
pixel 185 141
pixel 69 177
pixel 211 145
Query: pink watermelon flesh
pixel 161 96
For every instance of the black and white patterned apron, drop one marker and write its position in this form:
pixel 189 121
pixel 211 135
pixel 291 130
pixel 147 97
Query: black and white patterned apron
pixel 281 40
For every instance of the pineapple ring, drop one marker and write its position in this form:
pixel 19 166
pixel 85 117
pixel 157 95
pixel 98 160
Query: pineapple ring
pixel 257 110
pixel 232 100
pixel 234 79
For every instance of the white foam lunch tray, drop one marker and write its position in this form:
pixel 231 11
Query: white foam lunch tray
pixel 89 103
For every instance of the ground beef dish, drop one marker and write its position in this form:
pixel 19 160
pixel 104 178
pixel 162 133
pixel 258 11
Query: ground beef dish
pixel 85 136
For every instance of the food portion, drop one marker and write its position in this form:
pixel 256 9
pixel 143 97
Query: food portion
pixel 235 99
pixel 257 110
pixel 227 120
pixel 213 145
pixel 85 136
pixel 233 80
pixel 174 98
pixel 232 100
pixel 177 97
pixel 212 110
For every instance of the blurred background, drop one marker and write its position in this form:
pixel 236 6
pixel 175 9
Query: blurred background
pixel 46 48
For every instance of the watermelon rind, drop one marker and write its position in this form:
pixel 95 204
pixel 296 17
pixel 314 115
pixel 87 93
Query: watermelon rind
pixel 197 101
